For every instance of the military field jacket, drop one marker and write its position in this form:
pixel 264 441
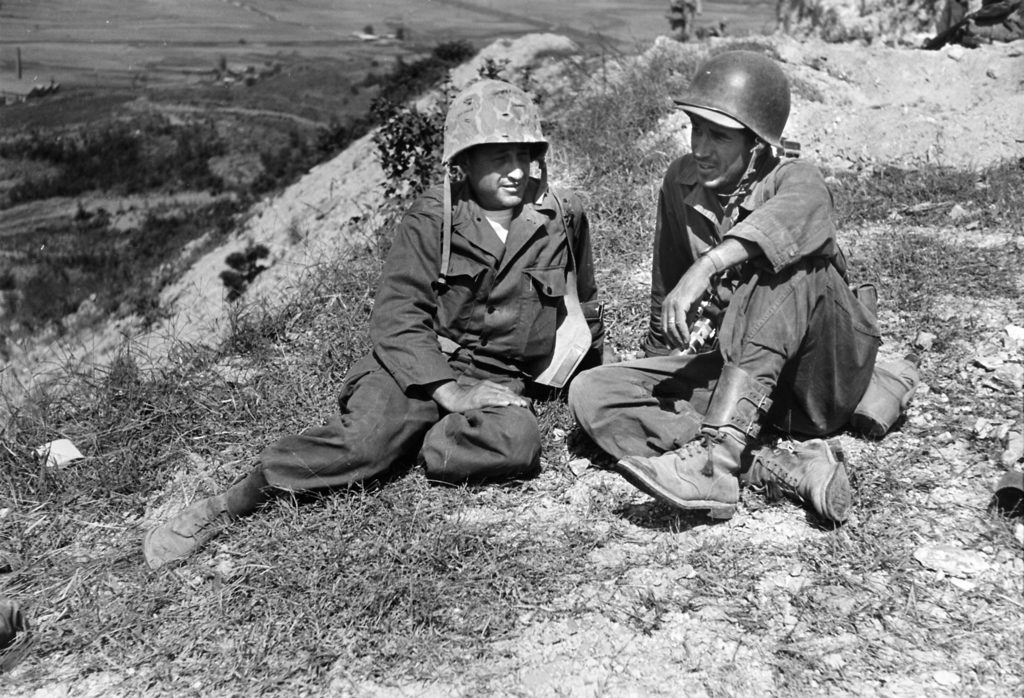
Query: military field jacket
pixel 787 214
pixel 501 301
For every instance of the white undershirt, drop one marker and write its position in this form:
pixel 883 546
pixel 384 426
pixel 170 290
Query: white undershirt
pixel 500 221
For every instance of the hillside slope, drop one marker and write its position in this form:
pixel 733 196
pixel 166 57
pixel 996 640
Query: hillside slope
pixel 855 107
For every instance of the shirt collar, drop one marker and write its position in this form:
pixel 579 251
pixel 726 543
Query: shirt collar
pixel 707 201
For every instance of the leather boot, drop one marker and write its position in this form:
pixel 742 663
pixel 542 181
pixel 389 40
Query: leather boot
pixel 809 471
pixel 703 473
pixel 183 534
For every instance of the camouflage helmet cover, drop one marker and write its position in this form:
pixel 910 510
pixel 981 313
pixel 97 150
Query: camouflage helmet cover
pixel 741 88
pixel 491 111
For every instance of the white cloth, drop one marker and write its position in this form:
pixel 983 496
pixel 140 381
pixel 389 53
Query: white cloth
pixel 500 221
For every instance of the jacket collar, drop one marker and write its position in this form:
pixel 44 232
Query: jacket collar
pixel 710 205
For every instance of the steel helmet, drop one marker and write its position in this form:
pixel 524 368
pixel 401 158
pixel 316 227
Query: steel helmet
pixel 491 111
pixel 741 89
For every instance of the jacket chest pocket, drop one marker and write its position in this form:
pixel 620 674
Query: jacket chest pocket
pixel 541 305
pixel 468 285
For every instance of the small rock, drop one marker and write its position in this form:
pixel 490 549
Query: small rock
pixel 1014 449
pixel 557 434
pixel 946 678
pixel 1018 533
pixel 990 73
pixel 578 465
pixel 918 420
pixel 989 363
pixel 686 572
pixel 225 567
pixel 963 584
pixel 958 212
pixel 955 51
pixel 982 428
pixel 924 340
pixel 59 453
pixel 834 661
pixel 951 560
pixel 1010 375
pixel 1016 332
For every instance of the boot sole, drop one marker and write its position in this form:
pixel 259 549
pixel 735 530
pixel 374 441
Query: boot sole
pixel 715 510
pixel 837 495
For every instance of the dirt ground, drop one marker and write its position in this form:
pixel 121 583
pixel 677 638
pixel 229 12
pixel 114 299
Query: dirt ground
pixel 856 108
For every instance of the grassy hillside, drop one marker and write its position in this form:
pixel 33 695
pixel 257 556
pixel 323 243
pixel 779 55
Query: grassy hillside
pixel 572 583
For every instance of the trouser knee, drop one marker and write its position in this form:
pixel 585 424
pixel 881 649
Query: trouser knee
pixel 483 445
pixel 583 391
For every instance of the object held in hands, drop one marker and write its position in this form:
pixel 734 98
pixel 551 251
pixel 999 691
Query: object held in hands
pixel 702 331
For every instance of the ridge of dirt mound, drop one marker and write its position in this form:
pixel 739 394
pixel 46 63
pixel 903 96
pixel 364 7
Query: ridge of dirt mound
pixel 858 106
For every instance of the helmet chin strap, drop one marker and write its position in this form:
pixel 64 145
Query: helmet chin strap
pixel 762 159
pixel 446 227
pixel 542 188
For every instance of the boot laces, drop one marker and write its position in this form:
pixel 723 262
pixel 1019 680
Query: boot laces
pixel 781 482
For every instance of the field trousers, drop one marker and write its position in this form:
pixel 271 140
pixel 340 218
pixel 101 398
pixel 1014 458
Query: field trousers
pixel 802 333
pixel 379 426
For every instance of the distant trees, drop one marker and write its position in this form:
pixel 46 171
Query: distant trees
pixel 120 157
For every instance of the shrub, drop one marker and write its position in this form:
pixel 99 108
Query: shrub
pixel 409 142
pixel 454 52
pixel 245 266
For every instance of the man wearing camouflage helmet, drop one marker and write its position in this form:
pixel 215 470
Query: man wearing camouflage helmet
pixel 488 289
pixel 752 322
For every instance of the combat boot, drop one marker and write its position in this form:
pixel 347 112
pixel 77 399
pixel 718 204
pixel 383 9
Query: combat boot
pixel 809 471
pixel 187 531
pixel 703 473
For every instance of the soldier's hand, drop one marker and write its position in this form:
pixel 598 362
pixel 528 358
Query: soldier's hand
pixel 681 299
pixel 462 398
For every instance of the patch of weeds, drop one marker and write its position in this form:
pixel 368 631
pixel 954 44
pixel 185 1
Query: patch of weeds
pixel 917 269
pixel 244 266
pixel 409 142
pixel 927 195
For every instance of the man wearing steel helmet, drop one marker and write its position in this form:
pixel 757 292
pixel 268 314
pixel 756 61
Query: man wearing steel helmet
pixel 745 246
pixel 488 288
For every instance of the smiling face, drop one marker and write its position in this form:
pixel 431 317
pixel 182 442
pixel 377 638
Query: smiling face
pixel 722 153
pixel 498 174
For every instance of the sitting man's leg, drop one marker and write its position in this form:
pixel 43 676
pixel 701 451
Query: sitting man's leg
pixel 647 406
pixel 793 332
pixel 377 425
pixel 492 443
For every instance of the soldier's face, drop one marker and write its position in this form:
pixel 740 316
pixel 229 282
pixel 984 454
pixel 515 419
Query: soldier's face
pixel 498 174
pixel 722 153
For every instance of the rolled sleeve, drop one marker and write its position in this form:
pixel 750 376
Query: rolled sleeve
pixel 791 217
